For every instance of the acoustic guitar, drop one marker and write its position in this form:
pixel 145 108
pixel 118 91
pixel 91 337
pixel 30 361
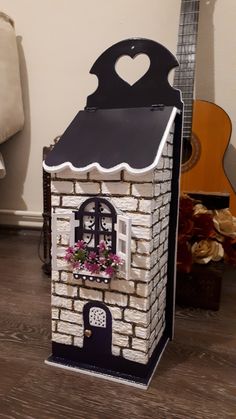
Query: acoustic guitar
pixel 206 127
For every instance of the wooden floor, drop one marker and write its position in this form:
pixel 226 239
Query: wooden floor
pixel 195 379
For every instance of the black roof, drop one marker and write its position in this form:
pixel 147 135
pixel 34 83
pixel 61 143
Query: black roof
pixel 113 139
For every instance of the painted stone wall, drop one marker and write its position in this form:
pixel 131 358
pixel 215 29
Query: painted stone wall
pixel 137 305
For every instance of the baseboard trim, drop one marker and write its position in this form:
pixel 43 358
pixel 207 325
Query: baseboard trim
pixel 19 218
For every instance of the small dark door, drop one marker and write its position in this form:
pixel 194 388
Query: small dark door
pixel 97 329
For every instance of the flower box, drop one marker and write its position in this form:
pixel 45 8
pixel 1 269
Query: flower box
pixel 201 288
pixel 86 275
pixel 98 266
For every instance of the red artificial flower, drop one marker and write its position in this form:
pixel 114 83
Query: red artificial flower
pixel 184 256
pixel 203 226
pixel 186 206
pixel 185 226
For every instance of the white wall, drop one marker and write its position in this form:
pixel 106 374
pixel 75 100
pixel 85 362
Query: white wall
pixel 60 40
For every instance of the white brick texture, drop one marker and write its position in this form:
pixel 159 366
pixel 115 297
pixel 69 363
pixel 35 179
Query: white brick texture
pixel 135 356
pixel 144 177
pixel 87 188
pixel 115 350
pixel 125 203
pixel 120 340
pixel 138 317
pixel 140 261
pixel 116 188
pixel 116 312
pixel 72 201
pixel 62 187
pixel 91 294
pixel 71 317
pixel 142 190
pixel 144 220
pixel 61 302
pixel 140 344
pixel 68 277
pixel 160 164
pixel 70 328
pixel 68 174
pixel 140 274
pixel 139 303
pixel 59 338
pixel 79 342
pixel 124 286
pixel 143 290
pixel 79 305
pixel 55 201
pixel 65 290
pixel 55 313
pixel 97 285
pixel 122 327
pixel 141 232
pixel 146 205
pixel 96 175
pixel 116 299
pixel 55 276
pixel 142 332
pixel 144 246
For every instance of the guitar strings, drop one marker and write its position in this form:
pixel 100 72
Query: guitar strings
pixel 186 52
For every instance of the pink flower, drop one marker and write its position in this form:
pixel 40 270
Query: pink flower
pixel 102 246
pixel 77 265
pixel 94 268
pixel 102 260
pixel 80 257
pixel 109 270
pixel 115 258
pixel 92 255
pixel 80 244
pixel 87 265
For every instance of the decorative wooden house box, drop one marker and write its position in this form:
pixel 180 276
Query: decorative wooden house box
pixel 115 180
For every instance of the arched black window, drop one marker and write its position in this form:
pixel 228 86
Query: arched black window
pixel 97 218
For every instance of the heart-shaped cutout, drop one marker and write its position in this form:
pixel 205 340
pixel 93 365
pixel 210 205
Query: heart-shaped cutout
pixel 132 69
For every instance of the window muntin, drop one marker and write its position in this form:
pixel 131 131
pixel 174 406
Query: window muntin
pixel 97 218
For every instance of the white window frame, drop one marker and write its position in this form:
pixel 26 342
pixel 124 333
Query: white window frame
pixel 70 232
pixel 126 240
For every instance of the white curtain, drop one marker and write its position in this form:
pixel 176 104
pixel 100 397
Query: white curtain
pixel 11 106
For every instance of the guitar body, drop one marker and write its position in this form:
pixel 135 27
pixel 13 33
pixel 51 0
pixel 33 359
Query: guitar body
pixel 211 126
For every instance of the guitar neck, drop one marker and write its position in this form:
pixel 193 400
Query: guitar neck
pixel 186 54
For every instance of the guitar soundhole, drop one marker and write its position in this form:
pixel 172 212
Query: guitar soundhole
pixel 191 153
pixel 187 150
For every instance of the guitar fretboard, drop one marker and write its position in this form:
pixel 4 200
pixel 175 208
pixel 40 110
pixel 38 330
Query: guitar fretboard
pixel 186 54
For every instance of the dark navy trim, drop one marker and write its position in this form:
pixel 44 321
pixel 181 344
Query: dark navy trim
pixel 114 366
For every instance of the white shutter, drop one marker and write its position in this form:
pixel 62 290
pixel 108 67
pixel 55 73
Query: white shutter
pixel 61 226
pixel 123 243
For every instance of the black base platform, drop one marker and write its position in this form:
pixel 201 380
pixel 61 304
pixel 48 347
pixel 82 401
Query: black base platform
pixel 111 367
